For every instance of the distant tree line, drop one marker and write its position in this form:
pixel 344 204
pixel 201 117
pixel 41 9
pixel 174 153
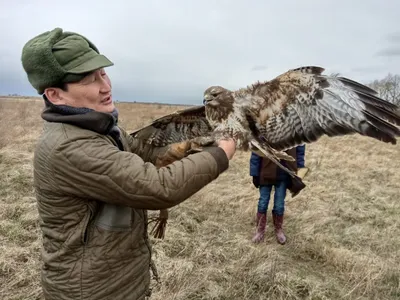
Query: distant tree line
pixel 388 88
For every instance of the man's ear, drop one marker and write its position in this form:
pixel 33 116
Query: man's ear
pixel 54 95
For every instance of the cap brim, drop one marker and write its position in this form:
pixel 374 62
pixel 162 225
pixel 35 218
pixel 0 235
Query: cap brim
pixel 97 62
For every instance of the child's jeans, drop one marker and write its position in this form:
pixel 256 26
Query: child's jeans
pixel 279 197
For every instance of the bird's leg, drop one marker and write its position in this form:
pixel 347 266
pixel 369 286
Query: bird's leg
pixel 277 154
pixel 270 155
pixel 198 143
pixel 282 155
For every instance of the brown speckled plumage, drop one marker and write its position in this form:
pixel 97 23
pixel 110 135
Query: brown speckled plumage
pixel 298 106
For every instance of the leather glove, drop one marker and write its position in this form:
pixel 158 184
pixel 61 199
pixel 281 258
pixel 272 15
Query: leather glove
pixel 174 152
pixel 256 181
pixel 180 150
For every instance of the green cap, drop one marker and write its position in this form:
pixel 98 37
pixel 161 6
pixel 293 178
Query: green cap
pixel 55 57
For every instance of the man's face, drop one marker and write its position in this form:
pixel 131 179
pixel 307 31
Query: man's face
pixel 93 91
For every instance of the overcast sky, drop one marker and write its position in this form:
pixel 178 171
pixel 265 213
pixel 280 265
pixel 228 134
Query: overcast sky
pixel 171 51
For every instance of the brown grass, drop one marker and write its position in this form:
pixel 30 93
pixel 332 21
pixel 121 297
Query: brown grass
pixel 343 230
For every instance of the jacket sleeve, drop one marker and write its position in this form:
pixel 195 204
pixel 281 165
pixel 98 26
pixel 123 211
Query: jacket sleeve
pixel 300 151
pixel 255 162
pixel 94 169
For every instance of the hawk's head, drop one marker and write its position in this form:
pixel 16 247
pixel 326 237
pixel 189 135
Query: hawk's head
pixel 215 95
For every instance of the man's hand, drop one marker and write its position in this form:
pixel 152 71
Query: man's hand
pixel 229 146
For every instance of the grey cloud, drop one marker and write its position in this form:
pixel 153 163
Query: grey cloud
pixel 259 68
pixel 368 69
pixel 388 52
pixel 394 37
pixel 393 49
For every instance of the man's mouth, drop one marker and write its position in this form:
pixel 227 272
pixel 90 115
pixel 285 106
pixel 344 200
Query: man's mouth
pixel 106 100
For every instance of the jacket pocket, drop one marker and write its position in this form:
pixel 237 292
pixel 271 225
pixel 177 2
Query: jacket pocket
pixel 114 217
pixel 85 231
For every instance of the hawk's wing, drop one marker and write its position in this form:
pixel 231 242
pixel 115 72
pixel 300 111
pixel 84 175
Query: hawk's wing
pixel 301 105
pixel 181 125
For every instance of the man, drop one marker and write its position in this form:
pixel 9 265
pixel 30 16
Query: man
pixel 267 175
pixel 94 182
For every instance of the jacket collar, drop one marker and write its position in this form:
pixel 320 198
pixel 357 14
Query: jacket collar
pixel 85 118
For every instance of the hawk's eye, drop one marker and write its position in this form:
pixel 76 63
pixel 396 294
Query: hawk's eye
pixel 213 92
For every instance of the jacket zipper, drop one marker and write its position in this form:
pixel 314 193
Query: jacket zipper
pixel 85 241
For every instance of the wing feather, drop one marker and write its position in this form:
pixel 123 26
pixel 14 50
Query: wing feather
pixel 302 105
pixel 181 125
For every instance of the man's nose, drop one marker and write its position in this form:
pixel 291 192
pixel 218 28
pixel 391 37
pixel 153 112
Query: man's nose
pixel 106 86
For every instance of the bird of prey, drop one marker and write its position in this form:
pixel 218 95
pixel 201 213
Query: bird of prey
pixel 298 106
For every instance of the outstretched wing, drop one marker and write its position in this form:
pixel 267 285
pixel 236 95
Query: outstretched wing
pixel 301 105
pixel 178 126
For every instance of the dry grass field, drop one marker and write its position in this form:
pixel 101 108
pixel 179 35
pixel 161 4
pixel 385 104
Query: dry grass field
pixel 343 230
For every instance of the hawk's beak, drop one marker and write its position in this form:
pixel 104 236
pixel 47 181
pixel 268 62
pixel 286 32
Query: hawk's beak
pixel 207 98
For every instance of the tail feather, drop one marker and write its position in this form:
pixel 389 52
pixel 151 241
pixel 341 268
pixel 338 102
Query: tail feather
pixel 381 115
pixel 369 96
pixel 356 86
pixel 379 102
pixel 380 112
pixel 380 129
